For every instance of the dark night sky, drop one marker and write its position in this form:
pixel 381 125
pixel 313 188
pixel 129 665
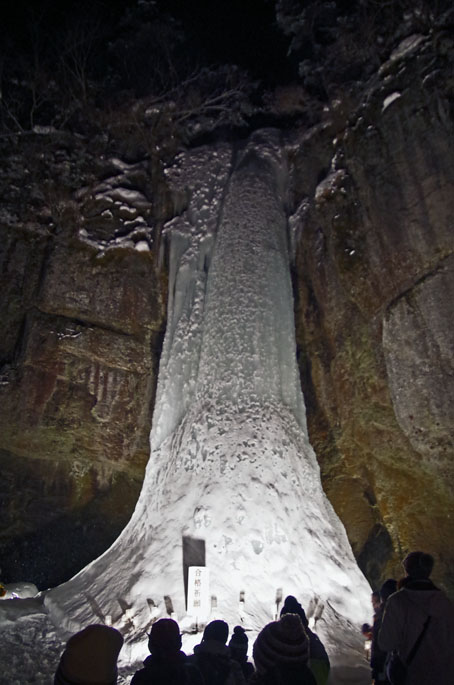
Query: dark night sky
pixel 241 32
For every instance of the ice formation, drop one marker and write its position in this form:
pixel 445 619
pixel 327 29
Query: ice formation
pixel 231 472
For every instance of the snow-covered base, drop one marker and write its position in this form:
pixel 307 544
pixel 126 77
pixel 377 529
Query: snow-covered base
pixel 231 466
pixel 254 498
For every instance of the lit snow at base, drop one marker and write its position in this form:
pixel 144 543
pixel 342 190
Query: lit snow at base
pixel 231 467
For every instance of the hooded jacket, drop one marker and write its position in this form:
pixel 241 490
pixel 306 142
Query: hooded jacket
pixel 214 661
pixel 172 668
pixel 403 621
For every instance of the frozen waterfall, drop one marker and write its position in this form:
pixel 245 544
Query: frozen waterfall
pixel 232 481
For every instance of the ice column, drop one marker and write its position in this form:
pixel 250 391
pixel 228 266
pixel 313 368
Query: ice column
pixel 231 467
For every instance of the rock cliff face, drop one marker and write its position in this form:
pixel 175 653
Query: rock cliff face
pixel 83 314
pixel 374 279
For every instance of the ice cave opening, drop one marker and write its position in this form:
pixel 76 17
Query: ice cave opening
pixel 232 496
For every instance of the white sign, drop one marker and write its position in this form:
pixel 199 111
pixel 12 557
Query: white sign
pixel 198 591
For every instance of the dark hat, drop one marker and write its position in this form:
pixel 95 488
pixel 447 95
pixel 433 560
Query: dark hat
pixel 283 641
pixel 388 588
pixel 292 606
pixel 239 640
pixel 216 630
pixel 164 635
pixel 91 656
pixel 291 602
pixel 418 564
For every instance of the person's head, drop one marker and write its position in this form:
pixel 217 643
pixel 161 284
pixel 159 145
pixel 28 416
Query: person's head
pixel 90 656
pixel 292 606
pixel 283 641
pixel 418 565
pixel 291 602
pixel 239 643
pixel 216 630
pixel 366 629
pixel 164 636
pixel 375 599
pixel 387 589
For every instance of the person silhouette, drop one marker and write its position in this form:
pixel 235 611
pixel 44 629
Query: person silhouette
pixel 318 657
pixel 90 656
pixel 167 664
pixel 238 646
pixel 418 622
pixel 212 656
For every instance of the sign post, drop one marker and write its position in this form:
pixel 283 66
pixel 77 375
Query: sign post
pixel 198 592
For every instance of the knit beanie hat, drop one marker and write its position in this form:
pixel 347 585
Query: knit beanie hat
pixel 418 565
pixel 91 656
pixel 164 636
pixel 239 640
pixel 283 641
pixel 216 630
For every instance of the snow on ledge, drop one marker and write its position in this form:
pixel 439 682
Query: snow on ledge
pixel 389 99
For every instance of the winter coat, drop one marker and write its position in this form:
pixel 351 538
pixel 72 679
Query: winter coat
pixel 285 674
pixel 172 668
pixel 245 665
pixel 215 664
pixel 403 620
pixel 377 655
pixel 318 658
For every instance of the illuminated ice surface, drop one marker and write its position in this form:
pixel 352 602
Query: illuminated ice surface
pixel 231 469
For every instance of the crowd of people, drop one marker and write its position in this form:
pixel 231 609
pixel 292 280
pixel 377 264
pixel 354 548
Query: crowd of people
pixel 285 652
pixel 411 639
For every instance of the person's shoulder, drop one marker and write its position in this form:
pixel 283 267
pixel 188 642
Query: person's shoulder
pixel 441 603
pixel 397 598
pixel 256 678
pixel 317 648
pixel 299 673
pixel 236 669
pixel 211 647
pixel 140 677
pixel 249 669
pixel 235 665
pixel 309 678
pixel 192 672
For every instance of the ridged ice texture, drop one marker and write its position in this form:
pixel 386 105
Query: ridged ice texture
pixel 230 460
